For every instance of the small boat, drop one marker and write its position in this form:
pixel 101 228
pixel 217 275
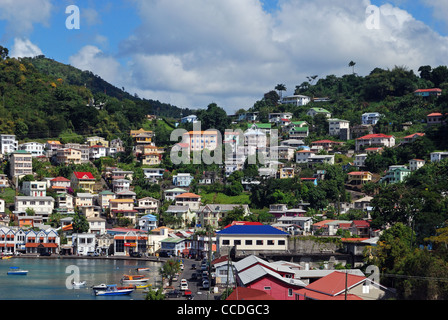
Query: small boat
pixel 113 290
pixel 133 279
pixel 142 269
pixel 78 284
pixel 17 271
pixel 101 286
pixel 6 257
pixel 143 286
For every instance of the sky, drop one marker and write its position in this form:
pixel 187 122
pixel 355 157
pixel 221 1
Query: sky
pixel 229 52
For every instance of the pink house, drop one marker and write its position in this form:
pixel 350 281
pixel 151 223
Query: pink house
pixel 278 282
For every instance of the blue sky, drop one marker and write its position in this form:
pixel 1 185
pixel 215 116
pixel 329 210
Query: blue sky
pixel 192 53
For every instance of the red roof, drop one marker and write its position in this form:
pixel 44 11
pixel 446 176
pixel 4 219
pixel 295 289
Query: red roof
pixel 60 179
pixel 242 293
pixel 243 223
pixel 414 134
pixel 429 90
pixel 357 173
pixel 435 114
pixel 373 136
pixel 334 284
pixel 187 195
pixel 84 175
pixel 325 141
pixel 361 223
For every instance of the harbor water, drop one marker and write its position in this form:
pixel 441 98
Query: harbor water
pixel 50 279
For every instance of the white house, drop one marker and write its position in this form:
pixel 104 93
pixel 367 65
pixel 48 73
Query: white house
pixel 8 143
pixel 370 118
pixel 297 100
pixel 360 159
pixel 153 173
pixel 147 223
pixel 415 164
pixel 83 243
pixel 277 117
pixel 42 206
pixel 35 148
pixel 170 194
pixel 439 156
pixel 339 128
pixel 34 188
pixel 97 151
pixel 182 179
pixel 147 205
pixel 315 111
pixel 379 139
pixel 120 185
pixel 252 238
pixel 97 225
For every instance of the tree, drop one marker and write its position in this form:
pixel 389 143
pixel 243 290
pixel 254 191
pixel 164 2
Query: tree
pixel 169 270
pixel 214 117
pixel 80 224
pixel 3 53
pixel 352 65
pixel 155 294
pixel 280 88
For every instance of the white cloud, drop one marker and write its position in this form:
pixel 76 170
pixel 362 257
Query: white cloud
pixel 21 15
pixel 91 58
pixel 24 48
pixel 192 53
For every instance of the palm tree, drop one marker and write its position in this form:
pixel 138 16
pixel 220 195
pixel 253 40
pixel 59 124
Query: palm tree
pixel 352 64
pixel 280 88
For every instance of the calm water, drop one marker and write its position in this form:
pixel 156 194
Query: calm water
pixel 46 279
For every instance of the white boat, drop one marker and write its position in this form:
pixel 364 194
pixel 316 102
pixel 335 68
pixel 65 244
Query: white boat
pixel 113 290
pixel 142 269
pixel 17 271
pixel 134 279
pixel 101 286
pixel 78 284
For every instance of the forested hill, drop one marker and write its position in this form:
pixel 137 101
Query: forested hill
pixel 42 98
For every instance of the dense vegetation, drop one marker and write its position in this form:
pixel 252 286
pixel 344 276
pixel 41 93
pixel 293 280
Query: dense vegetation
pixel 41 98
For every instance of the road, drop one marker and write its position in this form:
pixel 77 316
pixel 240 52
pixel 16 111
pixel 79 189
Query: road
pixel 195 285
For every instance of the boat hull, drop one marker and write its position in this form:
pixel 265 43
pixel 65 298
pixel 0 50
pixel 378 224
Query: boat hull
pixel 114 292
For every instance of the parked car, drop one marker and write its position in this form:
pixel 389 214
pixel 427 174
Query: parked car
pixel 183 284
pixel 92 254
pixel 193 266
pixel 174 294
pixel 205 284
pixel 135 254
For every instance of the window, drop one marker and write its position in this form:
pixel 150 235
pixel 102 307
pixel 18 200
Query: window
pixel 267 288
pixel 270 242
pixel 236 242
pixel 259 242
pixel 290 292
pixel 281 242
pixel 225 242
pixel 248 242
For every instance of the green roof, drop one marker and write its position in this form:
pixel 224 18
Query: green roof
pixel 260 125
pixel 300 129
pixel 320 110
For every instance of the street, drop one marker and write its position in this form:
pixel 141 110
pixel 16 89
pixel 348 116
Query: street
pixel 194 284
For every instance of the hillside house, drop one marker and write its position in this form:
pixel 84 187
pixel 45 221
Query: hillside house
pixel 83 180
pixel 371 140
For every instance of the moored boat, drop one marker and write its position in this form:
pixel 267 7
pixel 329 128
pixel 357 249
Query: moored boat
pixel 78 284
pixel 134 279
pixel 101 286
pixel 142 286
pixel 17 271
pixel 142 269
pixel 113 290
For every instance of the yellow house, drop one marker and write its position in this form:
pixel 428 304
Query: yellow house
pixel 142 136
pixel 93 141
pixel 285 173
pixel 83 180
pixel 359 177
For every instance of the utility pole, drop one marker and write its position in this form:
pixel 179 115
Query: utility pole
pixel 346 275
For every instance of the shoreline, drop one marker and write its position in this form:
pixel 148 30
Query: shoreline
pixel 36 256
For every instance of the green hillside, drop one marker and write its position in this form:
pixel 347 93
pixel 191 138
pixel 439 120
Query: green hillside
pixel 42 98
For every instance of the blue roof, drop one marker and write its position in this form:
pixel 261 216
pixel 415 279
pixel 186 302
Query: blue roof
pixel 252 229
